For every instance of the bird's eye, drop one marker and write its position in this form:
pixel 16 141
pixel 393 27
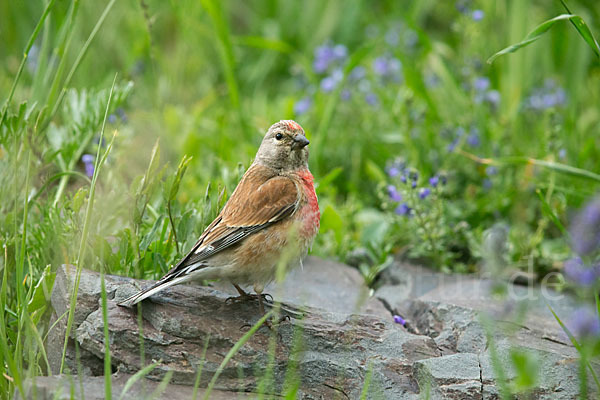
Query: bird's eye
pixel 279 136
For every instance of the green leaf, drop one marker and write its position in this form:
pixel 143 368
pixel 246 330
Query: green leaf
pixel 374 172
pixel 526 368
pixel 178 176
pixel 41 294
pixel 331 220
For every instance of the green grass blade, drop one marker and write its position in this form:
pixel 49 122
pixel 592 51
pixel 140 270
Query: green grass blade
pixel 107 364
pixel 516 160
pixel 531 37
pixel 30 42
pixel 199 373
pixel 215 12
pixel 236 347
pixel 136 377
pixel 584 31
pixel 550 213
pixel 365 389
pixel 162 386
pixel 260 42
pixel 62 51
pixel 77 62
pixel 86 227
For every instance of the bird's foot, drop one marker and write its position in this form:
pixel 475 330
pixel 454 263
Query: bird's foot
pixel 249 297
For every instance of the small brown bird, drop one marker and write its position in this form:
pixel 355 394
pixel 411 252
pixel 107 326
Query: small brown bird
pixel 272 213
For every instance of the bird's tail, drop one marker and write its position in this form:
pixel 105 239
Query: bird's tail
pixel 157 287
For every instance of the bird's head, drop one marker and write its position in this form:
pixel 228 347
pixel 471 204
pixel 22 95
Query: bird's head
pixel 284 147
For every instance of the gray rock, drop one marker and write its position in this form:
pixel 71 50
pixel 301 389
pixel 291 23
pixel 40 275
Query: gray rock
pixel 450 311
pixel 59 387
pixel 336 352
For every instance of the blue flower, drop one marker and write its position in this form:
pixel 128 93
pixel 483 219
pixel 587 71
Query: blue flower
pixel 434 180
pixel 392 38
pixel 388 68
pixel 493 97
pixel 399 320
pixel 371 99
pixel 562 154
pixel 33 58
pixel 88 162
pixel 328 84
pixel 380 66
pixel 549 96
pixel 326 55
pixel 340 52
pixel 424 193
pixel 462 6
pixel 473 140
pixel 346 94
pixel 357 73
pixel 581 274
pixel 477 15
pixel 481 84
pixel 491 170
pixel 112 118
pixel 452 145
pixel 584 323
pixel 403 209
pixel 585 230
pixel 393 193
pixel 302 105
pixel 394 168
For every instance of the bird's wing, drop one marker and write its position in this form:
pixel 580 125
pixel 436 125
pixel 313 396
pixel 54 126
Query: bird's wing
pixel 258 201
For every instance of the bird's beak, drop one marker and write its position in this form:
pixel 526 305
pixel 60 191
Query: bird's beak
pixel 300 141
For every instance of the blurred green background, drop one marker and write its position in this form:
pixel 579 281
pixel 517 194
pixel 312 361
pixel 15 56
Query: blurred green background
pixel 371 82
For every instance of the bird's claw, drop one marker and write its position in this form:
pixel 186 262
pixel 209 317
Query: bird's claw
pixel 238 299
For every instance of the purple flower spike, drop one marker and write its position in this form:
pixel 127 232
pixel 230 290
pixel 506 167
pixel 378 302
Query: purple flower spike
pixel 585 230
pixel 399 320
pixel 424 193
